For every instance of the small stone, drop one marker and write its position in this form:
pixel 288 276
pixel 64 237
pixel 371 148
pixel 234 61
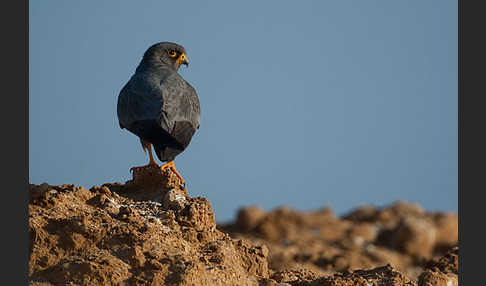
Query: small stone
pixel 106 191
pixel 429 278
pixel 174 199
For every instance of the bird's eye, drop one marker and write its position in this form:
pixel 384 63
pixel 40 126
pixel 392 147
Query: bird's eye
pixel 172 53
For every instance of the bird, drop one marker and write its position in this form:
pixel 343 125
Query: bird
pixel 159 106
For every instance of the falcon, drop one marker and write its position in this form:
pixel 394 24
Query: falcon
pixel 159 106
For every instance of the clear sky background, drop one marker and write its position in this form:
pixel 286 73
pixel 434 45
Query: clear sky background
pixel 304 103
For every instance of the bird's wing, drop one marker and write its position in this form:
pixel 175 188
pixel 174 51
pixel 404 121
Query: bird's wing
pixel 140 99
pixel 180 114
pixel 163 96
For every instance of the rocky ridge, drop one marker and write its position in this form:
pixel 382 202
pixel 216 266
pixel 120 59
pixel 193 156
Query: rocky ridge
pixel 149 231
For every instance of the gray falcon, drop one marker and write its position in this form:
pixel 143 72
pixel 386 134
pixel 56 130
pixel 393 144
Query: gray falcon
pixel 159 106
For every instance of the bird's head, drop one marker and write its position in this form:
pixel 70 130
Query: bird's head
pixel 166 53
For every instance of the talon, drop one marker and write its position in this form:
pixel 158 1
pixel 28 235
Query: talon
pixel 174 170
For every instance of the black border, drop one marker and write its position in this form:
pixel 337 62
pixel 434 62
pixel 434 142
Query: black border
pixel 14 134
pixel 472 143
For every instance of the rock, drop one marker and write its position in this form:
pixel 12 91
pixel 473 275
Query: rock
pixel 249 217
pixel 447 230
pixel 415 237
pixel 385 275
pixel 391 215
pixel 443 271
pixel 402 235
pixel 363 214
pixel 149 231
pixel 429 278
pixel 293 276
pixel 175 199
pixel 363 233
pixel 448 264
pixel 80 240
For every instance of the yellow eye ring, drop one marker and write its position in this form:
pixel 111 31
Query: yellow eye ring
pixel 172 53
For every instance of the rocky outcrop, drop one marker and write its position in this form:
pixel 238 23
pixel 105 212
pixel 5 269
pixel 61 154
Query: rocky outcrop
pixel 115 235
pixel 149 231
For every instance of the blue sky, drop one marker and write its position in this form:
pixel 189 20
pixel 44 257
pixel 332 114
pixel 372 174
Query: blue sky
pixel 307 104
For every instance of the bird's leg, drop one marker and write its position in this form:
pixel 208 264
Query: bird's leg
pixel 151 157
pixel 172 167
pixel 148 147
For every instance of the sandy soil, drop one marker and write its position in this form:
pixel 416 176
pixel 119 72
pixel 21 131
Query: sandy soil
pixel 149 231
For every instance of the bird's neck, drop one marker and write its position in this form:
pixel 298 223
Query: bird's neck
pixel 153 65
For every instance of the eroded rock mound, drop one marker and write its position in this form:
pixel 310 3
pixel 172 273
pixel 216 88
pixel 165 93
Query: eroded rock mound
pixel 112 235
pixel 403 235
pixel 149 231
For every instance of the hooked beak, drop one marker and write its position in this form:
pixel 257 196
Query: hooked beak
pixel 182 60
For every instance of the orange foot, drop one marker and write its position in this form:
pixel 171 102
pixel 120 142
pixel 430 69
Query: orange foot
pixel 172 167
pixel 149 165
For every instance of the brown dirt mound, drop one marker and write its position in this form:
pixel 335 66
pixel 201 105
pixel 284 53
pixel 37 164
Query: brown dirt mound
pixel 402 235
pixel 149 231
pixel 106 237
